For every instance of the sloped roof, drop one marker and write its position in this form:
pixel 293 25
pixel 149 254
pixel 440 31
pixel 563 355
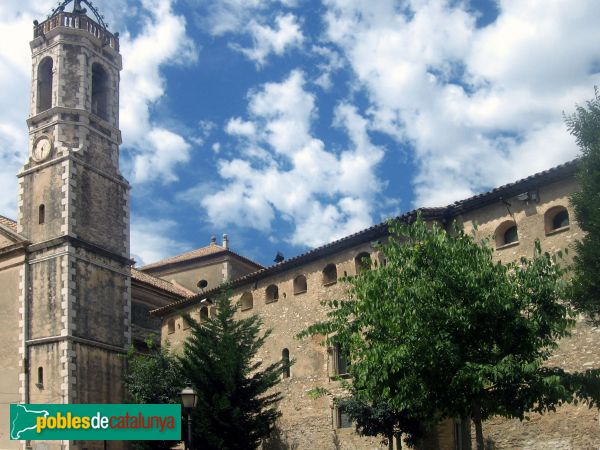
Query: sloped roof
pixel 209 250
pixel 160 284
pixel 442 213
pixel 8 223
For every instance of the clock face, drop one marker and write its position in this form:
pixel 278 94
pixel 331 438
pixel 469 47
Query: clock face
pixel 41 149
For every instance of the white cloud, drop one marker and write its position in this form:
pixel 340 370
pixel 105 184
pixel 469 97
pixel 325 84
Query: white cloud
pixel 480 107
pixel 161 41
pixel 331 64
pixel 283 36
pixel 286 172
pixel 16 19
pixel 240 127
pixel 156 151
pixel 232 16
pixel 151 241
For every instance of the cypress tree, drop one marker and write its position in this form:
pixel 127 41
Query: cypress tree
pixel 237 402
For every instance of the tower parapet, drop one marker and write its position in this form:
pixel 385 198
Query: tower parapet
pixel 77 19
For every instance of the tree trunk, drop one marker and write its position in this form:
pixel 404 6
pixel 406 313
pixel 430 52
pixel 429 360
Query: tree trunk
pixel 399 441
pixel 478 426
pixel 391 442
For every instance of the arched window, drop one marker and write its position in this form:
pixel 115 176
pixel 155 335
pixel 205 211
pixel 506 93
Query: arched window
pixel 40 380
pixel 285 359
pixel 556 218
pixel 171 326
pixel 203 314
pixel 44 85
pixel 271 293
pixel 300 285
pixel 100 91
pixel 506 233
pixel 511 235
pixel 362 262
pixel 202 284
pixel 329 274
pixel 41 214
pixel 246 301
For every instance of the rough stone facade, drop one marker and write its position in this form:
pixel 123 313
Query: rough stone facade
pixel 531 204
pixel 203 269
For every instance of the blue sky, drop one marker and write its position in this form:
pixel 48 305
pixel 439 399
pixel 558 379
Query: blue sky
pixel 289 123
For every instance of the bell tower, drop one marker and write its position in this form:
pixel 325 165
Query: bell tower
pixel 74 209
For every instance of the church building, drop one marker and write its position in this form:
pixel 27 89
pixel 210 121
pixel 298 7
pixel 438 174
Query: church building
pixel 73 303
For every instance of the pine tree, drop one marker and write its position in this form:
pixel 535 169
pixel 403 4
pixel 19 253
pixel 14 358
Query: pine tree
pixel 584 124
pixel 237 403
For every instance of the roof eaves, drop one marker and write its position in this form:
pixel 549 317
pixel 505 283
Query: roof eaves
pixel 437 213
pixel 378 230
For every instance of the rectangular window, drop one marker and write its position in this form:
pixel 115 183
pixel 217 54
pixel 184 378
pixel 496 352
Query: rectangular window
pixel 342 419
pixel 341 360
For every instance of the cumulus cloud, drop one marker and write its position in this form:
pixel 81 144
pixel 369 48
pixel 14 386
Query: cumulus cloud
pixel 330 62
pixel 283 36
pixel 286 172
pixel 232 16
pixel 151 241
pixel 479 106
pixel 16 24
pixel 156 151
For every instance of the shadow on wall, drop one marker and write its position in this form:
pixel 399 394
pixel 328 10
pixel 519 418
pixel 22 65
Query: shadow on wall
pixel 279 441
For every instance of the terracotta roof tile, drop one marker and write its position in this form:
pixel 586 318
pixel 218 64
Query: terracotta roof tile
pixel 8 223
pixel 160 284
pixel 209 250
pixel 444 212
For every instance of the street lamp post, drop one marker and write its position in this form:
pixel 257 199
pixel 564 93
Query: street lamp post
pixel 189 398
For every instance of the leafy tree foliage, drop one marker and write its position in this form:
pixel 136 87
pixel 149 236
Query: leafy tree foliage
pixel 153 378
pixel 378 419
pixel 237 403
pixel 443 331
pixel 584 124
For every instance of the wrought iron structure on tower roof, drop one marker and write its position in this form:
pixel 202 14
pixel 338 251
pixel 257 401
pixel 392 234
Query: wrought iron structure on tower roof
pixel 78 9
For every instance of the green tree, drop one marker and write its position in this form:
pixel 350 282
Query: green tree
pixel 378 419
pixel 443 331
pixel 153 378
pixel 237 402
pixel 584 124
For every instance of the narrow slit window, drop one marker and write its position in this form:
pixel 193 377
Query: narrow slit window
pixel 40 380
pixel 42 214
pixel 204 314
pixel 285 359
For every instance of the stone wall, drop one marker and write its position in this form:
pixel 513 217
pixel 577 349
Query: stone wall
pixel 11 269
pixel 311 423
pixel 570 427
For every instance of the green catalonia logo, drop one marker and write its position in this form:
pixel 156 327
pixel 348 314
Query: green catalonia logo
pixel 95 422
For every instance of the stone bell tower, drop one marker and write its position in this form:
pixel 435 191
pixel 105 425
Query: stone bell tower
pixel 74 209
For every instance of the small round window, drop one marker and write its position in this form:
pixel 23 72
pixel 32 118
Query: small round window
pixel 202 284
